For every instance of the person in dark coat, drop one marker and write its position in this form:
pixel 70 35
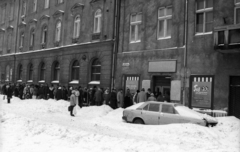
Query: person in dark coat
pixel 64 93
pixel 106 97
pixel 21 88
pixel 59 93
pixel 80 97
pixel 41 92
pixel 50 93
pixel 98 96
pixel 16 91
pixel 8 93
pixel 160 97
pixel 128 99
pixel 113 99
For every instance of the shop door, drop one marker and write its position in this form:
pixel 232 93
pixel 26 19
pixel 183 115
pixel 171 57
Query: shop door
pixel 234 96
pixel 161 84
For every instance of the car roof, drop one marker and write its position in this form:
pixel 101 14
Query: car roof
pixel 163 103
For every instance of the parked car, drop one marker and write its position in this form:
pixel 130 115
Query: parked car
pixel 158 113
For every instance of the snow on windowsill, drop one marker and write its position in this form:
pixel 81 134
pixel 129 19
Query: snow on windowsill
pixel 55 81
pixel 207 33
pixel 74 82
pixel 30 81
pixel 94 82
pixel 42 81
pixel 19 80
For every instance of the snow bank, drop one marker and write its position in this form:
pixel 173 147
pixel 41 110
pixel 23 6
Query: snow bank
pixel 46 126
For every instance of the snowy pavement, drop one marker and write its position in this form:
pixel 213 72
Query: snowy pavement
pixel 46 126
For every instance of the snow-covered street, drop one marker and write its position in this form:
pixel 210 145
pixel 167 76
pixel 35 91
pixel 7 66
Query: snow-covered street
pixel 46 126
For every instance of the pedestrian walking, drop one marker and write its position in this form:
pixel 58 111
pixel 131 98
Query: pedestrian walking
pixel 113 99
pixel 72 103
pixel 128 99
pixel 152 98
pixel 8 92
pixel 142 97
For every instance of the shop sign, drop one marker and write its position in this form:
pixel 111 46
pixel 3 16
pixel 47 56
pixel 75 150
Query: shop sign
pixel 201 94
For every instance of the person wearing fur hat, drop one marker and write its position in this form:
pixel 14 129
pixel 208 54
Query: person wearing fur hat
pixel 152 98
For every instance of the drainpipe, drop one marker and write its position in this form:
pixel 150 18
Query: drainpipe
pixel 115 39
pixel 185 52
pixel 16 44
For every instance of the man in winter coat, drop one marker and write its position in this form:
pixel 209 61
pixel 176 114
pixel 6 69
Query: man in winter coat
pixel 120 98
pixel 8 92
pixel 98 96
pixel 72 102
pixel 80 97
pixel 113 99
pixel 59 93
pixel 152 98
pixel 142 97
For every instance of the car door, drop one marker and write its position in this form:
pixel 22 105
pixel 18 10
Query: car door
pixel 168 115
pixel 150 114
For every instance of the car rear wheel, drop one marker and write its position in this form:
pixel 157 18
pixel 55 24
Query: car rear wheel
pixel 138 121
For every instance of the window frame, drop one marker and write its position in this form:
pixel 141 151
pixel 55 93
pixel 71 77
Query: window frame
pixel 1 41
pixel 7 73
pixel 20 71
pixel 11 13
pixel 24 9
pixel 32 37
pixel 174 111
pixel 30 72
pixel 58 32
pixel 237 6
pixel 9 40
pixel 98 19
pixel 34 9
pixel 44 34
pixel 59 2
pixel 75 70
pixel 164 18
pixel 46 4
pixel 56 71
pixel 94 66
pixel 204 11
pixel 153 104
pixel 136 24
pixel 76 26
pixel 3 13
pixel 21 43
pixel 42 71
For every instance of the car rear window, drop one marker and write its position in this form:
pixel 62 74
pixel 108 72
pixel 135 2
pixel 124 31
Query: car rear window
pixel 168 109
pixel 145 108
pixel 154 107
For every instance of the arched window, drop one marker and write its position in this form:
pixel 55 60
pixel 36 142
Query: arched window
pixel 58 31
pixel 97 21
pixel 56 71
pixel 42 72
pixel 32 37
pixel 30 72
pixel 44 35
pixel 24 8
pixel 20 70
pixel 76 30
pixel 96 70
pixel 46 4
pixel 7 73
pixel 75 70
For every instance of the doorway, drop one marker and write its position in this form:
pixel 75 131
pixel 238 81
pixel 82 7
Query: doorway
pixel 234 96
pixel 161 84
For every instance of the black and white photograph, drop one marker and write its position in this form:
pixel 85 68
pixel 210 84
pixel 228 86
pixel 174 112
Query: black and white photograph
pixel 120 75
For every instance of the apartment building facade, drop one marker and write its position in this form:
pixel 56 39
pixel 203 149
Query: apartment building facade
pixel 189 49
pixel 59 42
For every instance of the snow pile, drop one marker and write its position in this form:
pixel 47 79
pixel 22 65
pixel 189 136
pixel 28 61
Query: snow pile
pixel 46 126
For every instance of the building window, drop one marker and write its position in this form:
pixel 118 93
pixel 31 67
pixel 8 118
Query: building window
pixel 30 72
pixel 135 24
pixel 24 8
pixel 11 11
pixel 42 72
pixel 97 21
pixel 9 40
pixel 3 14
pixel 59 1
pixel 20 70
pixel 96 70
pixel 34 5
pixel 58 31
pixel 75 70
pixel 46 4
pixel 1 41
pixel 7 73
pixel 204 16
pixel 237 12
pixel 32 37
pixel 21 40
pixel 164 22
pixel 44 35
pixel 56 71
pixel 76 29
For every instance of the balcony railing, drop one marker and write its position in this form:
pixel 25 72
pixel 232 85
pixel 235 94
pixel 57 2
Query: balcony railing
pixel 227 39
